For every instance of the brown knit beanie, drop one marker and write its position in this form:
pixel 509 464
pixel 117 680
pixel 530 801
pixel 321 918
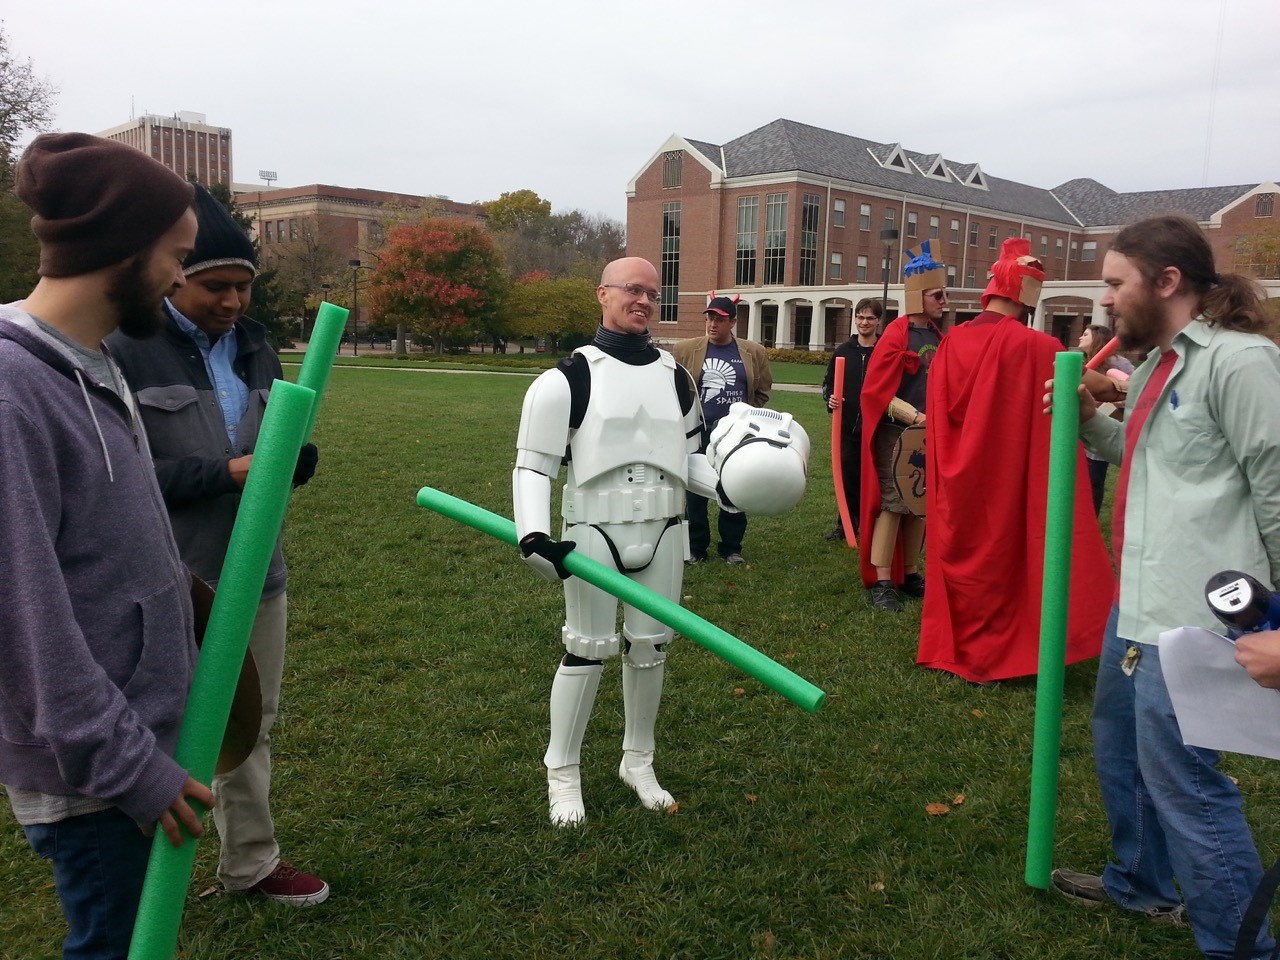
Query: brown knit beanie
pixel 97 202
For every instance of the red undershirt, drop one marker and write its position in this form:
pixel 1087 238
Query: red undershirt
pixel 1134 423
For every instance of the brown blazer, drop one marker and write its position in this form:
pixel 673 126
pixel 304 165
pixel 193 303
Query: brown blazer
pixel 755 361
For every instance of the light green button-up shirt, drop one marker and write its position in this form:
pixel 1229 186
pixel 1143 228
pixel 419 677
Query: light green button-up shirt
pixel 1204 484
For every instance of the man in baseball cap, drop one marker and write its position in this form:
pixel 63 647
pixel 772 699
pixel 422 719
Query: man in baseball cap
pixel 728 370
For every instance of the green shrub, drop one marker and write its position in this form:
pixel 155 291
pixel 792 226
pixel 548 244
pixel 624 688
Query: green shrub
pixel 813 357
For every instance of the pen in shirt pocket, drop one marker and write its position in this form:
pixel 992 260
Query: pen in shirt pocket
pixel 1173 399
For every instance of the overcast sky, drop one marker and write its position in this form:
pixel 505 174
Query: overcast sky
pixel 470 98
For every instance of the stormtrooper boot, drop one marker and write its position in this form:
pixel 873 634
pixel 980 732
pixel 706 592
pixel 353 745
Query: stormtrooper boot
pixel 573 693
pixel 641 694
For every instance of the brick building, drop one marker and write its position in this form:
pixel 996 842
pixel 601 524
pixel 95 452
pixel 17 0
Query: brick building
pixel 311 233
pixel 184 143
pixel 791 218
pixel 352 220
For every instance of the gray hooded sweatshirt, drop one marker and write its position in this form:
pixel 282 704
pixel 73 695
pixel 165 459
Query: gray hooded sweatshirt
pixel 97 645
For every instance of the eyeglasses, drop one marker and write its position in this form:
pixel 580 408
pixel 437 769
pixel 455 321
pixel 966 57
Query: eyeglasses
pixel 635 290
pixel 939 295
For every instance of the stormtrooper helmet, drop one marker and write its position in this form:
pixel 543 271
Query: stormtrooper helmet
pixel 762 459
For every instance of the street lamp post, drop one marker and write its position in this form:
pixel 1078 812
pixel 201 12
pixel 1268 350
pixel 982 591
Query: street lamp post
pixel 356 266
pixel 887 236
pixel 355 307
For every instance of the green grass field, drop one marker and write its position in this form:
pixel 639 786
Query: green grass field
pixel 530 363
pixel 408 756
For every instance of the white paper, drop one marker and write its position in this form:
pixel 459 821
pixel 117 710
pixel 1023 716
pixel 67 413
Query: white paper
pixel 1219 706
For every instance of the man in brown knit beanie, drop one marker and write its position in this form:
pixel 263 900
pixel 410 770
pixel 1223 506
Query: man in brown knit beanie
pixel 99 647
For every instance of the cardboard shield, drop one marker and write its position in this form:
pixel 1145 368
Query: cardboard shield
pixel 908 468
pixel 245 719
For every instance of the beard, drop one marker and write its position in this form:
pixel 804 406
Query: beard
pixel 138 305
pixel 1140 327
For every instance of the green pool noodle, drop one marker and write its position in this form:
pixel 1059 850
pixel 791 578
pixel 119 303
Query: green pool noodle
pixel 1064 438
pixel 331 320
pixel 707 635
pixel 253 539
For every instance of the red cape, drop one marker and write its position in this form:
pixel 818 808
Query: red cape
pixel 888 362
pixel 987 463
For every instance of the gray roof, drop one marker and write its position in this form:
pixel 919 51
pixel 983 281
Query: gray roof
pixel 708 150
pixel 785 145
pixel 1098 205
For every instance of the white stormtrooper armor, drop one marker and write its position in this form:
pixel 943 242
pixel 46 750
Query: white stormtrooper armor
pixel 629 463
pixel 762 459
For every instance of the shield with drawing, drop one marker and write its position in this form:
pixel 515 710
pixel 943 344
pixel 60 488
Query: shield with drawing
pixel 908 468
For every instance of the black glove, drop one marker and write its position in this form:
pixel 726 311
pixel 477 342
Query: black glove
pixel 308 457
pixel 553 553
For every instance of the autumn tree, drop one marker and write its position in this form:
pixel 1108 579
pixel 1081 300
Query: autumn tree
pixel 310 257
pixel 1258 250
pixel 563 310
pixel 517 209
pixel 573 244
pixel 440 277
pixel 26 106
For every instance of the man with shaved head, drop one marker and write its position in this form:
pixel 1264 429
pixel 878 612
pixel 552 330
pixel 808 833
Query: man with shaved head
pixel 624 416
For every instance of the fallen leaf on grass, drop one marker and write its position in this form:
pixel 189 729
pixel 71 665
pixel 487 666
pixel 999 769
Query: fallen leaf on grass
pixel 751 797
pixel 958 801
pixel 738 691
pixel 937 809
pixel 768 942
pixel 878 887
pixel 977 712
pixel 875 749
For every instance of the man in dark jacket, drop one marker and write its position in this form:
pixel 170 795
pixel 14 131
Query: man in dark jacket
pixel 97 645
pixel 856 352
pixel 201 387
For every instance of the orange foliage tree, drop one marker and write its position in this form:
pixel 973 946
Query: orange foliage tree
pixel 440 277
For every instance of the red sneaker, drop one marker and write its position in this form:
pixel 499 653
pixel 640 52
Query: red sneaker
pixel 287 884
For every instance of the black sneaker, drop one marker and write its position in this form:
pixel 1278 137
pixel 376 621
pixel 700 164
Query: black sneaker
pixel 884 596
pixel 913 585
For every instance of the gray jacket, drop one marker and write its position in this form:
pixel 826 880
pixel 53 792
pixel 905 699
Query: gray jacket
pixel 97 648
pixel 189 440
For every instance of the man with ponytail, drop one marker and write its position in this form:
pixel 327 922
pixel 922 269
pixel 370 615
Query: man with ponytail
pixel 1198 492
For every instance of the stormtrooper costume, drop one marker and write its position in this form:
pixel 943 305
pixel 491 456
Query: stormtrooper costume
pixel 626 420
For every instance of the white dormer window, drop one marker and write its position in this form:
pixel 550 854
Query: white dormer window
pixel 891 157
pixel 937 169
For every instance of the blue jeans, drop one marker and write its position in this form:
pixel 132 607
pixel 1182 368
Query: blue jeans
pixel 730 526
pixel 1172 813
pixel 99 862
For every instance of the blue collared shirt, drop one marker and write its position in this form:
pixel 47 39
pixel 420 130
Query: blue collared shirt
pixel 219 357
